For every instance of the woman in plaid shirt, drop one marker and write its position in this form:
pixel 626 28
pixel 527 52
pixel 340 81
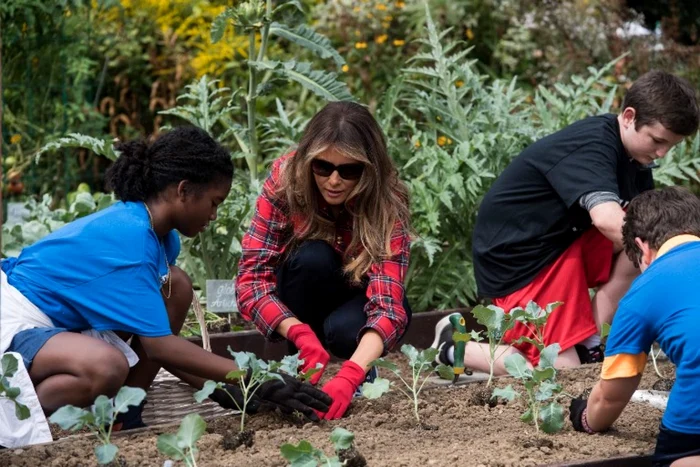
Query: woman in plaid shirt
pixel 326 254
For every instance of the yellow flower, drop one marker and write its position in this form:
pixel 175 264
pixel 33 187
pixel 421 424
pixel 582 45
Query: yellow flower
pixel 370 16
pixel 442 140
pixel 357 9
pixel 345 68
pixel 449 141
pixel 15 139
pixel 381 39
pixel 381 7
pixel 459 83
pixel 438 118
pixel 399 42
pixel 360 45
pixel 357 33
pixel 469 33
pixel 388 18
pixel 386 25
pixel 417 144
pixel 400 4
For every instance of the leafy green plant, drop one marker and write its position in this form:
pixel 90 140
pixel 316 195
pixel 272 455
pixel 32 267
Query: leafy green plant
pixel 540 388
pixel 305 455
pixel 9 366
pixel 251 373
pixel 421 363
pixel 540 382
pixel 183 444
pixel 497 323
pixel 290 365
pixel 99 419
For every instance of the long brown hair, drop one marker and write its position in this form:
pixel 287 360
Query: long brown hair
pixel 377 203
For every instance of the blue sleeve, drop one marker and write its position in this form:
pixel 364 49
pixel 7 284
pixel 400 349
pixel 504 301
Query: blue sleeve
pixel 127 299
pixel 632 331
pixel 172 246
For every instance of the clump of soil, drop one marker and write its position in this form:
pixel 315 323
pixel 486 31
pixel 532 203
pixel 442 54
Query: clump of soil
pixel 351 457
pixel 664 384
pixel 217 327
pixel 120 461
pixel 482 396
pixel 232 441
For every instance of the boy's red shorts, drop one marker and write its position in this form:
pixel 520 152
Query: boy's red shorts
pixel 585 264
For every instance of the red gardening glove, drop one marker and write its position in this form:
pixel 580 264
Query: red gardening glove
pixel 342 387
pixel 310 349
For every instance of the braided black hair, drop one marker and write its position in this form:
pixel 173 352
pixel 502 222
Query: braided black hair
pixel 186 153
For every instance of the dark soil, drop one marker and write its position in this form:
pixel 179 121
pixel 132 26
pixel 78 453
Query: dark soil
pixel 231 440
pixel 387 434
pixel 351 457
pixel 664 384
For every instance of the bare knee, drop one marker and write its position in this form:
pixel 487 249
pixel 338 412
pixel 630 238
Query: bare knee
pixel 105 372
pixel 180 298
pixel 567 359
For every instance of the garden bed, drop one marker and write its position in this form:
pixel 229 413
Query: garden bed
pixel 386 434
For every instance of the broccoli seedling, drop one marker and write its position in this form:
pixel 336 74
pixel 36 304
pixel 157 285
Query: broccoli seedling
pixel 183 444
pixel 420 362
pixel 10 365
pixel 305 455
pixel 251 373
pixel 99 419
pixel 497 323
pixel 290 365
pixel 540 387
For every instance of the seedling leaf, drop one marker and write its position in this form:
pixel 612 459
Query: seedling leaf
pixel 527 416
pixel 445 372
pixel 105 453
pixel 191 429
pixel 306 375
pixel 206 391
pixel 128 396
pixel 381 363
pixel 507 393
pixel 411 352
pixel 103 410
pixel 9 365
pixel 167 444
pixel 542 374
pixel 549 355
pixel 461 336
pixel 376 389
pixel 299 455
pixel 516 365
pixel 69 417
pixel 236 374
pixel 605 330
pixel 546 390
pixel 342 438
pixel 552 417
pixel 490 316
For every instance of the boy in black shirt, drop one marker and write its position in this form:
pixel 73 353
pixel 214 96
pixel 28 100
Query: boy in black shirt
pixel 550 227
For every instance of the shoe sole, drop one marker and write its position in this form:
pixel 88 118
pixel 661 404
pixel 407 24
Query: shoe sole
pixel 439 329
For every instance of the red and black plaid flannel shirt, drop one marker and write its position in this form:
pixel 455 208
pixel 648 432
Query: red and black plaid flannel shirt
pixel 264 244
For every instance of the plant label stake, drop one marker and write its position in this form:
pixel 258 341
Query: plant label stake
pixel 221 296
pixel 460 338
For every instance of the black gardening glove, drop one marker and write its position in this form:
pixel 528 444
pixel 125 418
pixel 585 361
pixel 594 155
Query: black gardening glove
pixel 291 395
pixel 576 409
pixel 225 400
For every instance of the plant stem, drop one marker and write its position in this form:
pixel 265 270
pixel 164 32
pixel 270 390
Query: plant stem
pixel 251 98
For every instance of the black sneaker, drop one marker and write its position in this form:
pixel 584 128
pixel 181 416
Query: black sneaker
pixel 443 340
pixel 593 355
pixel 130 419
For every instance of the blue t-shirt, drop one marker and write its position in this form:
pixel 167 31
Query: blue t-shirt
pixel 663 305
pixel 103 271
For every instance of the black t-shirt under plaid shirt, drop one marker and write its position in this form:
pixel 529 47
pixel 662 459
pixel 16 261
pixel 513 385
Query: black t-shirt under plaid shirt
pixel 531 213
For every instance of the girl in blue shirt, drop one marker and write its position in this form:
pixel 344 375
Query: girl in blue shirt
pixel 115 271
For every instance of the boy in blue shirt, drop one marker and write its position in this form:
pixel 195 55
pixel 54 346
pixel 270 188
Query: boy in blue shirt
pixel 114 272
pixel 661 234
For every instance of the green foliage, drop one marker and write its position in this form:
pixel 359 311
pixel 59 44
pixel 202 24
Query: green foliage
pixel 99 419
pixel 290 365
pixel 539 382
pixel 681 164
pixel 183 444
pixel 421 363
pixel 497 323
pixel 251 373
pixel 305 455
pixel 100 146
pixel 42 219
pixel 8 368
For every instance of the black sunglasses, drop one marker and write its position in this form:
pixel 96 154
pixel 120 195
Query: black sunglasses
pixel 346 171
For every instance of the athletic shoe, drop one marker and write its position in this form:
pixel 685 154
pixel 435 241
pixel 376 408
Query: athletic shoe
pixel 595 354
pixel 443 340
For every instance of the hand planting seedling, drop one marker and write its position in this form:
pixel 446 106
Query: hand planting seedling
pixel 305 455
pixel 420 362
pixel 99 419
pixel 497 323
pixel 183 444
pixel 251 374
pixel 9 368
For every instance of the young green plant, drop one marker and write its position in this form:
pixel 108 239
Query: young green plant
pixel 421 364
pixel 9 368
pixel 251 373
pixel 539 382
pixel 497 323
pixel 99 419
pixel 182 446
pixel 290 365
pixel 305 455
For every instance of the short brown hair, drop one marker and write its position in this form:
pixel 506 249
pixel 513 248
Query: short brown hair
pixel 661 97
pixel 658 215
